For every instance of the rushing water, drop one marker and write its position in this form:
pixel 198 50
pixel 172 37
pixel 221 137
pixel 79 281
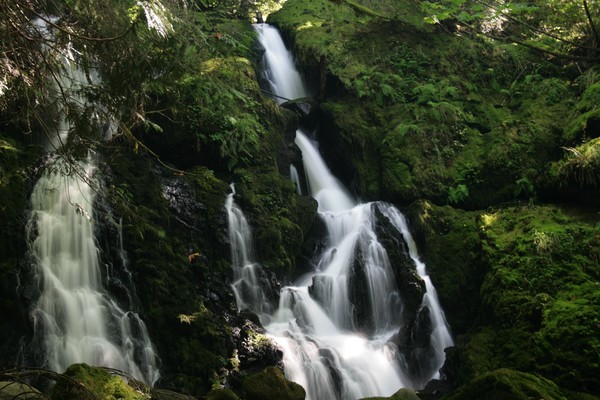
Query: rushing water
pixel 335 324
pixel 249 291
pixel 75 319
pixel 278 66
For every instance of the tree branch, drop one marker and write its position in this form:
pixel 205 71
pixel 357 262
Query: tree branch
pixel 533 28
pixel 88 38
pixel 592 25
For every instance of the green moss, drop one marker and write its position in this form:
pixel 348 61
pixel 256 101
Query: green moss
pixel 81 381
pixel 429 121
pixel 568 338
pixel 451 248
pixel 519 286
pixel 508 384
pixel 279 217
pixel 580 166
pixel 402 394
pixel 270 384
pixel 221 394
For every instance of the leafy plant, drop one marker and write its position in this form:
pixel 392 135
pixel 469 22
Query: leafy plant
pixel 458 194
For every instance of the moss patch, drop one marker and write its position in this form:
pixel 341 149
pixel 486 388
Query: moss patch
pixel 417 114
pixel 270 384
pixel 508 384
pixel 81 381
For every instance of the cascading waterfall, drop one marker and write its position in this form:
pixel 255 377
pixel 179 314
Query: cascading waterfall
pixel 248 290
pixel 331 347
pixel 295 178
pixel 441 338
pixel 278 67
pixel 75 319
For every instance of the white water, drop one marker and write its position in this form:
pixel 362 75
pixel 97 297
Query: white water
pixel 441 338
pixel 279 68
pixel 249 293
pixel 327 348
pixel 295 178
pixel 75 319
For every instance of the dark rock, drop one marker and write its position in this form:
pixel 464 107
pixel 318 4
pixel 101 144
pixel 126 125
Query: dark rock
pixel 306 111
pixel 182 201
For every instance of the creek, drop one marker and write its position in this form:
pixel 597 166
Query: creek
pixel 340 326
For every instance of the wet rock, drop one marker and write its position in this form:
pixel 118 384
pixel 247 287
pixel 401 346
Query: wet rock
pixel 182 201
pixel 254 350
pixel 410 284
pixel 221 394
pixel 306 110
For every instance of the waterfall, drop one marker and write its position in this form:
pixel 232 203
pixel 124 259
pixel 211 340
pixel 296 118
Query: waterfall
pixel 75 319
pixel 336 324
pixel 278 67
pixel 247 286
pixel 295 178
pixel 441 337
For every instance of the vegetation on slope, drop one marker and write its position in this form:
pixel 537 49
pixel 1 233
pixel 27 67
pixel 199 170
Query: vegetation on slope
pixel 426 113
pixel 490 118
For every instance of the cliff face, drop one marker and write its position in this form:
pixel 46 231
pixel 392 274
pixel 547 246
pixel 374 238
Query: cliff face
pixel 490 147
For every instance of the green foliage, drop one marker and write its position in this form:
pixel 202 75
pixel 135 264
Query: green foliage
pixel 382 87
pixel 508 384
pixel 522 284
pixel 279 217
pixel 458 194
pixel 82 381
pixel 580 166
pixel 523 22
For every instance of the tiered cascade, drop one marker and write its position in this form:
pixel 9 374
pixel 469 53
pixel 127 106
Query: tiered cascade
pixel 337 325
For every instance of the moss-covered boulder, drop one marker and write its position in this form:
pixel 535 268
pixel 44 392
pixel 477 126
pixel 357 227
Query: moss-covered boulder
pixel 505 384
pixel 221 394
pixel 270 384
pixel 81 381
pixel 402 394
pixel 450 245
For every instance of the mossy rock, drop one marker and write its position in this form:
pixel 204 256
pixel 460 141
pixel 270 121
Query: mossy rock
pixel 164 394
pixel 221 394
pixel 82 381
pixel 503 384
pixel 270 384
pixel 402 394
pixel 450 245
